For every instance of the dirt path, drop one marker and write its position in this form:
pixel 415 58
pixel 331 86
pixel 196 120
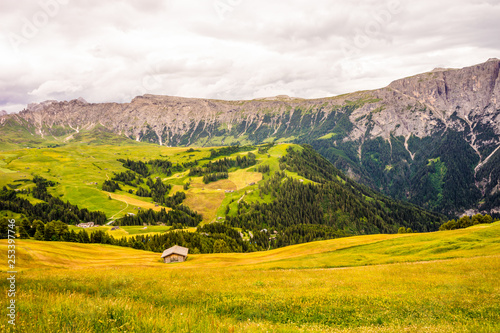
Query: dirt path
pixel 112 217
pixel 480 165
pixel 243 196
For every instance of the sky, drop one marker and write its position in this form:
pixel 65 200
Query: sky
pixel 112 51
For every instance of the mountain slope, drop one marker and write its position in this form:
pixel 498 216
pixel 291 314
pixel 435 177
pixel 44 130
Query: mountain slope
pixel 431 139
pixel 273 195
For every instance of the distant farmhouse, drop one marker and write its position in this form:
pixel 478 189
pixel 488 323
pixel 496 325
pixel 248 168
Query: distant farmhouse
pixel 175 254
pixel 85 225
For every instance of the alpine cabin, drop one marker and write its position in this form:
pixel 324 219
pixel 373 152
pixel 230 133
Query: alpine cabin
pixel 175 254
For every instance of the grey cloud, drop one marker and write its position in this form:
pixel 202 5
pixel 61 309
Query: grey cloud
pixel 114 50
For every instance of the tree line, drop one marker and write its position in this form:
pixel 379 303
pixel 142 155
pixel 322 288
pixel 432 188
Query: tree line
pixel 110 186
pixel 467 221
pixel 128 177
pixel 223 165
pixel 156 166
pixel 224 151
pixel 213 171
pixel 212 238
pixel 179 214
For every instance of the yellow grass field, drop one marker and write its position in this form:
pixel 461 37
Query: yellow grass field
pixel 136 202
pixel 205 201
pixel 243 178
pixel 435 282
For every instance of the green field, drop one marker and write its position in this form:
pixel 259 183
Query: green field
pixel 78 167
pixel 444 281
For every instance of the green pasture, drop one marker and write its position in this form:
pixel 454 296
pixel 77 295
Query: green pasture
pixel 80 169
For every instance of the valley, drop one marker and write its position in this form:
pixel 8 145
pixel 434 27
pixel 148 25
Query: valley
pixel 235 166
pixel 299 215
pixel 241 198
pixel 383 138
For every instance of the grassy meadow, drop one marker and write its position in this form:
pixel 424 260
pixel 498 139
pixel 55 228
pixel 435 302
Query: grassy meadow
pixel 80 170
pixel 444 281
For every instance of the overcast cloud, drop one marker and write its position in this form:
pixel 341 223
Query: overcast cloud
pixel 112 51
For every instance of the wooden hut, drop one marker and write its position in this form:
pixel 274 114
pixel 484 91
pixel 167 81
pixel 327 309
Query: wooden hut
pixel 175 254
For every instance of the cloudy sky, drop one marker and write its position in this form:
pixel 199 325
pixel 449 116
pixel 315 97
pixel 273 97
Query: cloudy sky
pixel 111 51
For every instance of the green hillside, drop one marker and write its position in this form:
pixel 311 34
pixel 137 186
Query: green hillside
pixel 439 172
pixel 261 197
pixel 434 282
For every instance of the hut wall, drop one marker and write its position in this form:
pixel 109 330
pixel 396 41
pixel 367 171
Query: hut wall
pixel 174 258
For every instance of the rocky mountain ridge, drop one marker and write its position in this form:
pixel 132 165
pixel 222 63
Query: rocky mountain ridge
pixel 448 97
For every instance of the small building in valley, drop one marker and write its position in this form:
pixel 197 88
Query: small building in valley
pixel 175 254
pixel 86 225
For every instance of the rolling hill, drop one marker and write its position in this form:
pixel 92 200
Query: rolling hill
pixel 432 282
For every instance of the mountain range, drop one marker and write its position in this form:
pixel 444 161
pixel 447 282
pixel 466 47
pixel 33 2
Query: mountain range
pixel 432 139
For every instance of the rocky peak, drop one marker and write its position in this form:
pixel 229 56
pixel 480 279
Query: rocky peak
pixel 469 89
pixel 81 100
pixel 37 107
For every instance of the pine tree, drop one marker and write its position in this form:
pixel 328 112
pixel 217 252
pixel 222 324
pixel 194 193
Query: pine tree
pixel 49 231
pixel 39 232
pixel 84 237
pixel 4 227
pixel 23 234
pixel 25 224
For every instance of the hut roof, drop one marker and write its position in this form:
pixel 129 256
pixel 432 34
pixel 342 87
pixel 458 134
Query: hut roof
pixel 183 251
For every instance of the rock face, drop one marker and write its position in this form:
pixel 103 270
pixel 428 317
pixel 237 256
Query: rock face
pixel 3 113
pixel 418 105
pixel 407 139
pixel 169 120
pixel 453 98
